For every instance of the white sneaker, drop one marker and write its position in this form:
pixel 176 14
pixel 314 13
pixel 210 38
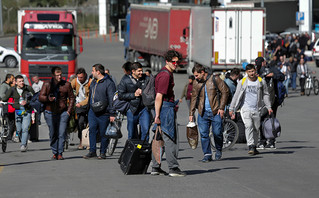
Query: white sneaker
pixel 23 148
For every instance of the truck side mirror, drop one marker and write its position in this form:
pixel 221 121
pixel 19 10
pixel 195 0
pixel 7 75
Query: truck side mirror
pixel 16 44
pixel 186 32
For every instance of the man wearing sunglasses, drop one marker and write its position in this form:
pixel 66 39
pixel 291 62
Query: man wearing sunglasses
pixel 165 114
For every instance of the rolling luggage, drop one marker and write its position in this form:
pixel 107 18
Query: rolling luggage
pixel 135 157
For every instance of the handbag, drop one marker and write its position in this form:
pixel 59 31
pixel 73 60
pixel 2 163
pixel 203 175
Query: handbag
pixel 99 106
pixel 192 134
pixel 158 144
pixel 86 137
pixel 121 106
pixel 271 127
pixel 113 131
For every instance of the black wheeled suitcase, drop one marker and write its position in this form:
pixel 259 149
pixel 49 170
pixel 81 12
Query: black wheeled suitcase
pixel 135 157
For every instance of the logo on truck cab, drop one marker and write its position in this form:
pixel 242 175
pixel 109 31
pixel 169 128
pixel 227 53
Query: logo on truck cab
pixel 151 26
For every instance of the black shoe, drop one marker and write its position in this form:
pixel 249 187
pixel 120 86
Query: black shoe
pixel 270 146
pixel 176 172
pixel 218 155
pixel 206 159
pixel 90 155
pixel 158 171
pixel 102 156
pixel 252 150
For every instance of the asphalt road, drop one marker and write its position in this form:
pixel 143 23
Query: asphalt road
pixel 289 171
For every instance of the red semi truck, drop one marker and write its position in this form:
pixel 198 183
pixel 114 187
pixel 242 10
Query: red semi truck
pixel 47 38
pixel 152 30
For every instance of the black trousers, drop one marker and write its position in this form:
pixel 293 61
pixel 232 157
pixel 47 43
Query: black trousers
pixel 302 84
pixel 82 121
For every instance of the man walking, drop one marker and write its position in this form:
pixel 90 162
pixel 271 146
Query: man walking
pixel 4 87
pixel 210 105
pixel 55 94
pixel 250 96
pixel 101 111
pixel 21 95
pixel 81 86
pixel 130 89
pixel 165 115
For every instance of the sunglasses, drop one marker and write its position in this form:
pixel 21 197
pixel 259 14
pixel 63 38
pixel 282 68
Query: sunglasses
pixel 174 62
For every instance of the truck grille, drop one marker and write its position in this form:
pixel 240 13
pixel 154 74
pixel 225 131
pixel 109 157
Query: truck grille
pixel 44 71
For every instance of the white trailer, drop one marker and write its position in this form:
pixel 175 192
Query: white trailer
pixel 235 36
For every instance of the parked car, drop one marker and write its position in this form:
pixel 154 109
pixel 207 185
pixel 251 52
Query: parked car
pixel 9 57
pixel 315 52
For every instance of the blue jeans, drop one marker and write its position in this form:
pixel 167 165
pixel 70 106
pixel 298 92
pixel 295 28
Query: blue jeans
pixel 57 124
pixel 286 82
pixel 23 123
pixel 143 118
pixel 204 124
pixel 293 80
pixel 98 124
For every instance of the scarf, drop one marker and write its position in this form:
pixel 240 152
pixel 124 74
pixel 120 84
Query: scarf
pixel 81 95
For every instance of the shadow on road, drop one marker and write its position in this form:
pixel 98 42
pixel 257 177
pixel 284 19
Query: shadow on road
pixel 197 172
pixel 241 158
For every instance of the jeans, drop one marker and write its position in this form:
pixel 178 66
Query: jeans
pixel 293 80
pixel 143 118
pixel 204 124
pixel 23 123
pixel 286 82
pixel 251 121
pixel 82 120
pixel 98 124
pixel 57 124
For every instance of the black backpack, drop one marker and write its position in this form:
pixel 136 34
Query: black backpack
pixel 148 92
pixel 36 104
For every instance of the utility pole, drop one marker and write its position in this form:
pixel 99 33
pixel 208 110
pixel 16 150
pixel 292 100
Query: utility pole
pixel 1 26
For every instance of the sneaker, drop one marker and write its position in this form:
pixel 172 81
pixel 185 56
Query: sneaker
pixel 176 172
pixel 102 156
pixel 252 150
pixel 54 157
pixel 260 146
pixel 158 171
pixel 23 148
pixel 60 157
pixel 90 155
pixel 270 146
pixel 206 159
pixel 218 155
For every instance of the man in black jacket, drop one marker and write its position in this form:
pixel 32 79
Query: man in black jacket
pixel 22 95
pixel 271 74
pixel 130 89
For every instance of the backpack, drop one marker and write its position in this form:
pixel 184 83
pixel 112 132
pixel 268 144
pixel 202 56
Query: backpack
pixel 281 92
pixel 36 104
pixel 148 92
pixel 271 127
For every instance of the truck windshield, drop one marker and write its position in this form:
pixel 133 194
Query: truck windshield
pixel 48 43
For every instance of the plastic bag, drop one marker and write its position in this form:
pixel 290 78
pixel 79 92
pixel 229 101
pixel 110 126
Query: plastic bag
pixel 192 134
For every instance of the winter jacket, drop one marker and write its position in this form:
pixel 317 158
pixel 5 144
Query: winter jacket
pixel 3 89
pixel 103 90
pixel 127 88
pixel 27 94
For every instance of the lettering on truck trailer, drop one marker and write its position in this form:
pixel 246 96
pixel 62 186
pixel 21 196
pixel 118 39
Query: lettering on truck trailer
pixel 151 26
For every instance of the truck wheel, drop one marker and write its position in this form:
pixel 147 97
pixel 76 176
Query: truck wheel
pixel 161 62
pixel 156 63
pixel 11 61
pixel 152 63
